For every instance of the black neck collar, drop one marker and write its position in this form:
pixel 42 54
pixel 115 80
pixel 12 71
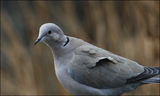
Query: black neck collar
pixel 66 42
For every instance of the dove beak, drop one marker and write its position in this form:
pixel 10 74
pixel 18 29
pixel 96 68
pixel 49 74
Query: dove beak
pixel 38 40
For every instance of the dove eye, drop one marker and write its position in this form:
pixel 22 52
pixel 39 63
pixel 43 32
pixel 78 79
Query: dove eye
pixel 49 32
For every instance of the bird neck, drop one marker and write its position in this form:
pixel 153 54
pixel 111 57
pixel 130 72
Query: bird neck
pixel 59 56
pixel 60 49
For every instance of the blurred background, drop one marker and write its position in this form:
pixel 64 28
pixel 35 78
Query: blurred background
pixel 126 28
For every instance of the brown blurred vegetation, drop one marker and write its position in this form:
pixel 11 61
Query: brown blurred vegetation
pixel 126 28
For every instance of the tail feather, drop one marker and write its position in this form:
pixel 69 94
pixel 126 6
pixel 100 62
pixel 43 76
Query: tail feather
pixel 148 76
pixel 152 80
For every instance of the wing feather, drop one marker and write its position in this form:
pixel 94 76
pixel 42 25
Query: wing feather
pixel 101 69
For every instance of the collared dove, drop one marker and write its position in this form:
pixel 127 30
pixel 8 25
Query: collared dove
pixel 84 69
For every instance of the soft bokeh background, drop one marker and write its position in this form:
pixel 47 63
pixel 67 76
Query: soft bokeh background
pixel 126 28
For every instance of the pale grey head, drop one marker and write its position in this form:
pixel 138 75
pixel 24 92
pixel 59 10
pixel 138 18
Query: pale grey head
pixel 50 33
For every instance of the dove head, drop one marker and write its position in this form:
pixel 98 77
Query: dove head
pixel 51 34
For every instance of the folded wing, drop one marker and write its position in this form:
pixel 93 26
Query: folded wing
pixel 99 68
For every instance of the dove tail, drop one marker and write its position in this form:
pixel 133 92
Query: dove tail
pixel 152 80
pixel 150 75
pixel 155 79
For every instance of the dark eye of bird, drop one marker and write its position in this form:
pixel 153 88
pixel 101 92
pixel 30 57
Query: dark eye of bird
pixel 49 32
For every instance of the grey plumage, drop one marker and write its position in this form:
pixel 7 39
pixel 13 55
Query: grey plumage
pixel 84 69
